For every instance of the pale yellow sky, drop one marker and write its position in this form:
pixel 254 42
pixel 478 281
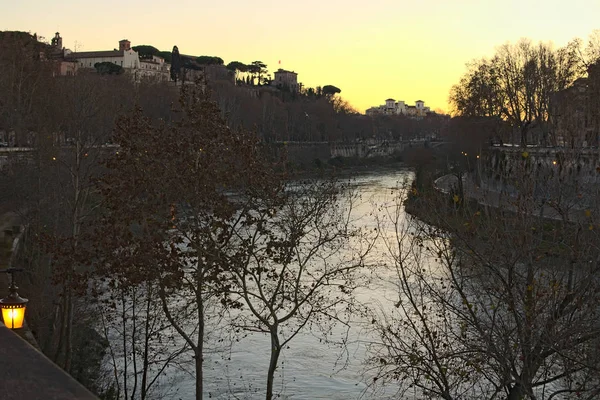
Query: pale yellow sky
pixel 372 50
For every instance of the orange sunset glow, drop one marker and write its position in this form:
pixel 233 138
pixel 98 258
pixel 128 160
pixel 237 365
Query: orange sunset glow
pixel 311 199
pixel 371 50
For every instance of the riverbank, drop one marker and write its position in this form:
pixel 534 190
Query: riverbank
pixel 346 166
pixel 477 219
pixel 506 200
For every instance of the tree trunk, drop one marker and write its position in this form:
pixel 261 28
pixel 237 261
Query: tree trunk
pixel 516 392
pixel 200 347
pixel 146 361
pixel 524 136
pixel 76 229
pixel 275 352
pixel 61 330
pixel 69 329
pixel 199 373
pixel 124 338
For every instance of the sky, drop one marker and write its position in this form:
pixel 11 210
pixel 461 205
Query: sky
pixel 371 49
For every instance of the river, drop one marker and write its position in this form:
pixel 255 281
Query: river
pixel 313 365
pixel 310 368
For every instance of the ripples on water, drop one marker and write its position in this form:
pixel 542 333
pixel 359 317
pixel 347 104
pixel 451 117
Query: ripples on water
pixel 310 368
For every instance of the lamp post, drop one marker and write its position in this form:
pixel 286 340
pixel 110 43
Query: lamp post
pixel 13 306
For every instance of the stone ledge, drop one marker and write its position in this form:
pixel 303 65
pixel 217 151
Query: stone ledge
pixel 27 374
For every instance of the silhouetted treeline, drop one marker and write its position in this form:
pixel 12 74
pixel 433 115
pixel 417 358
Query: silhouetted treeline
pixel 548 95
pixel 309 115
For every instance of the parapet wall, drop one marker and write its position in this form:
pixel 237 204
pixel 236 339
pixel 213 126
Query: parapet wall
pixel 306 152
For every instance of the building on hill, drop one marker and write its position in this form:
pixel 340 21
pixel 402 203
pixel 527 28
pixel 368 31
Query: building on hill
pixel 57 41
pixel 125 57
pixel 286 79
pixel 153 68
pixel 393 107
pixel 64 65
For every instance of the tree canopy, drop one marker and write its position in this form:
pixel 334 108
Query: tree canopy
pixel 517 84
pixel 237 66
pixel 209 60
pixel 146 51
pixel 330 90
pixel 166 55
pixel 108 68
pixel 175 64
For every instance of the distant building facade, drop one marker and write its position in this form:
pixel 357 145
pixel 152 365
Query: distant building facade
pixel 125 57
pixel 58 54
pixel 153 68
pixel 283 78
pixel 393 107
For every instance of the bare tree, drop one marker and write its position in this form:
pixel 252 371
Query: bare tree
pixel 297 267
pixel 517 85
pixel 492 302
pixel 188 177
pixel 142 347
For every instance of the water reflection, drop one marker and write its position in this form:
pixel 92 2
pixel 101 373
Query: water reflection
pixel 311 367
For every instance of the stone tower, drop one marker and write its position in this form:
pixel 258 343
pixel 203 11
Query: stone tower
pixel 124 45
pixel 57 41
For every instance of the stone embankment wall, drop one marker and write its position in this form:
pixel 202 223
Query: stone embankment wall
pixel 12 155
pixel 365 149
pixel 569 175
pixel 581 165
pixel 306 152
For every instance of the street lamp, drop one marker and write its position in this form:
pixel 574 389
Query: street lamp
pixel 13 306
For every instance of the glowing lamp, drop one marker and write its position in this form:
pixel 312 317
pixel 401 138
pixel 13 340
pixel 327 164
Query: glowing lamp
pixel 13 308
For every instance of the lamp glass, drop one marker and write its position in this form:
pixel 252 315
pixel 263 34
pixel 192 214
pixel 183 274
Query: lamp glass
pixel 13 315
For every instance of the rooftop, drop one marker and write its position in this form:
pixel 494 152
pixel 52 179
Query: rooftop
pixel 95 54
pixel 285 71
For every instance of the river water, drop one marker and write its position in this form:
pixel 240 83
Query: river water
pixel 313 365
pixel 310 367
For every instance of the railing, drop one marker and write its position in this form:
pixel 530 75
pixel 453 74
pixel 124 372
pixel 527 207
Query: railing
pixel 15 149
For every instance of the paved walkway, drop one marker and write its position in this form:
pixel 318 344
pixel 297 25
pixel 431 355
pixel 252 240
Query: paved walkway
pixel 29 375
